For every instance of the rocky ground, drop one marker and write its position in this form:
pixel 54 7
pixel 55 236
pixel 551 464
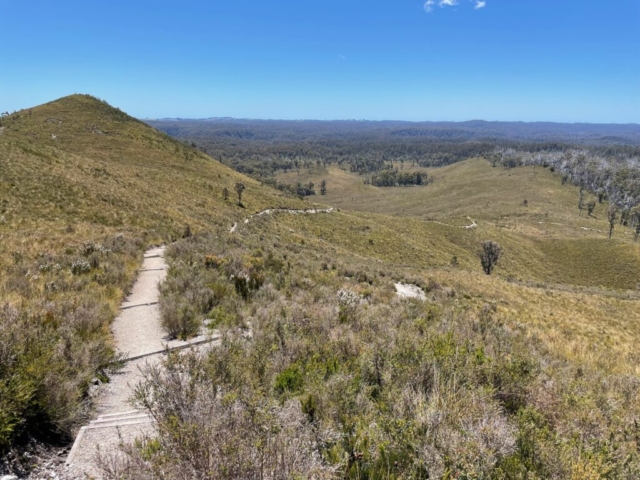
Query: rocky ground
pixel 37 462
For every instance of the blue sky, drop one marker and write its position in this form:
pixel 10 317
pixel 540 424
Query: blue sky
pixel 529 60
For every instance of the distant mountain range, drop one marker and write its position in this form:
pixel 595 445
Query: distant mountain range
pixel 271 130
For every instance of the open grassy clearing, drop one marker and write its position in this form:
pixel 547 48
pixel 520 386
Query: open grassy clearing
pixel 574 317
pixel 410 242
pixel 470 189
pixel 559 271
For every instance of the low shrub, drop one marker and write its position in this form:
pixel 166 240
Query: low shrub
pixel 213 433
pixel 384 387
pixel 78 267
pixel 179 317
pixel 52 338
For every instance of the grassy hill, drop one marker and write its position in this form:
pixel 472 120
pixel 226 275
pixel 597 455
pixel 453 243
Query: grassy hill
pixel 84 188
pixel 79 159
pixel 559 270
pixel 528 373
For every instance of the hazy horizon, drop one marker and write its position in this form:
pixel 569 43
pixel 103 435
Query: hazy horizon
pixel 366 120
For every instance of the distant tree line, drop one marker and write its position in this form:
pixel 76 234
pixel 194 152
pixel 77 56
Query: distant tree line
pixel 263 160
pixel 614 177
pixel 603 159
pixel 299 189
pixel 394 178
pixel 263 148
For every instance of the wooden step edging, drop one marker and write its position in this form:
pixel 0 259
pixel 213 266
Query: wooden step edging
pixel 117 424
pixel 137 305
pixel 118 414
pixel 172 349
pixel 122 418
pixel 83 430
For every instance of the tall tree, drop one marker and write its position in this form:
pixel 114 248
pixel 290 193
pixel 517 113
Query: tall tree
pixel 323 187
pixel 239 190
pixel 635 223
pixel 612 215
pixel 489 256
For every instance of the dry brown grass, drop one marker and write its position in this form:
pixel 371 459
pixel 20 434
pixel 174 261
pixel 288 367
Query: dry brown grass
pixel 476 382
pixel 529 373
pixel 77 172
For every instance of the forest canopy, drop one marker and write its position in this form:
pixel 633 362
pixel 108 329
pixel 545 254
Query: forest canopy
pixel 604 159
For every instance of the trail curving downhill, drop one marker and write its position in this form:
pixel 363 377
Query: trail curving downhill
pixel 270 211
pixel 471 226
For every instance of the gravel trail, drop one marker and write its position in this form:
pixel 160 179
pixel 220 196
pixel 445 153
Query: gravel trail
pixel 139 336
pixel 270 211
pixel 137 331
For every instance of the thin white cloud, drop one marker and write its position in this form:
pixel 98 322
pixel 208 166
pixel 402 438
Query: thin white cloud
pixel 429 5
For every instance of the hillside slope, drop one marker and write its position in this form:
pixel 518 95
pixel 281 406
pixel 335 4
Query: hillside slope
pixel 83 189
pixel 78 159
pixel 488 377
pixel 546 240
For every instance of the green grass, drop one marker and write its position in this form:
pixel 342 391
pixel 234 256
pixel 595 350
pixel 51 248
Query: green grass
pixel 128 176
pixel 409 242
pixel 466 189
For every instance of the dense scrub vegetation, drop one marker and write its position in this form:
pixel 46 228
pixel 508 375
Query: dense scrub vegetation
pixel 324 373
pixel 299 189
pixel 83 191
pixel 52 335
pixel 394 178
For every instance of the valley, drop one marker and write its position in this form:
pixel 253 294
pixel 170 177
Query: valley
pixel 322 370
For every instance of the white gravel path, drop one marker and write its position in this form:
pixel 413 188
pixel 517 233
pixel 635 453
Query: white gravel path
pixel 105 441
pixel 270 211
pixel 471 226
pixel 136 331
pixel 115 396
pixel 139 336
